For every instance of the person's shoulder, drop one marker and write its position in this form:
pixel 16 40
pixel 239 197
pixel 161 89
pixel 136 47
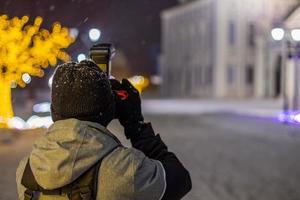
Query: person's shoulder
pixel 116 175
pixel 123 159
pixel 129 168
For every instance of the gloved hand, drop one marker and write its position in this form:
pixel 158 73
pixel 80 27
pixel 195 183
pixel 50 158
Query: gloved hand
pixel 128 105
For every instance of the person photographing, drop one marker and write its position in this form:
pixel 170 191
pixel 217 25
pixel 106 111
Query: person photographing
pixel 79 158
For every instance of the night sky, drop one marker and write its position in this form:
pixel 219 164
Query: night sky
pixel 132 25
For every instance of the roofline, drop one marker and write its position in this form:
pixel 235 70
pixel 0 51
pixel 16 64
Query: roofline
pixel 291 12
pixel 174 10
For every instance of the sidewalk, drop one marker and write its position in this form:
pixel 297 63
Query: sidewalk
pixel 260 108
pixel 255 108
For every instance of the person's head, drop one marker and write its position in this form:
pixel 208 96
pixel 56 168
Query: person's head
pixel 82 91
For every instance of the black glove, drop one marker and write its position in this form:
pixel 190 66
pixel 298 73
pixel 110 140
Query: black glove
pixel 128 106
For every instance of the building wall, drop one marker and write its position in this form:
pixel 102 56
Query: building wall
pixel 188 50
pixel 220 48
pixel 235 50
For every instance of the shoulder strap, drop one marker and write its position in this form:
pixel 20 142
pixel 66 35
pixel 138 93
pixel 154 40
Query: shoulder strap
pixel 28 179
pixel 85 186
pixel 31 185
pixel 29 182
pixel 90 178
pixel 95 181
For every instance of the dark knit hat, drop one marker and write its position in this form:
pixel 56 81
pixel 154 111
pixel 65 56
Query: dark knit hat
pixel 82 91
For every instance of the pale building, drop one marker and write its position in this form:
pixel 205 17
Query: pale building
pixel 290 52
pixel 221 48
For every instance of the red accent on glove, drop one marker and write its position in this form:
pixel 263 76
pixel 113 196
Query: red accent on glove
pixel 123 94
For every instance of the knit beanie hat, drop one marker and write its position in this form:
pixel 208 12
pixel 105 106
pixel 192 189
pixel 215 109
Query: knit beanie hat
pixel 82 91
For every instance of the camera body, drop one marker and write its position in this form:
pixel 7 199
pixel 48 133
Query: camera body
pixel 102 55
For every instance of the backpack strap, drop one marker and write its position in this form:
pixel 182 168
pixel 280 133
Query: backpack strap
pixel 85 186
pixel 96 175
pixel 29 182
pixel 31 185
pixel 88 182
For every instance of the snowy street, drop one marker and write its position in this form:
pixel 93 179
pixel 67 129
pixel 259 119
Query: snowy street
pixel 230 157
pixel 218 79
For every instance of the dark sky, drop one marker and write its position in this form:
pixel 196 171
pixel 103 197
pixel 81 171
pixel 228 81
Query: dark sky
pixel 133 25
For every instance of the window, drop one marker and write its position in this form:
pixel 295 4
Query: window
pixel 231 74
pixel 209 75
pixel 231 33
pixel 251 35
pixel 249 75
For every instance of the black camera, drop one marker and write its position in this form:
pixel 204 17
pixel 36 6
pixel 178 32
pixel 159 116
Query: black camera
pixel 102 55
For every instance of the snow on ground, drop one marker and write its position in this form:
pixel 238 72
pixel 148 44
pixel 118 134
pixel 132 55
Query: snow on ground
pixel 263 108
pixel 229 156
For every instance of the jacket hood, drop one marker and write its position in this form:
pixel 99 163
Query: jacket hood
pixel 68 149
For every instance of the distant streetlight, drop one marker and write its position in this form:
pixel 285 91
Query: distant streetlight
pixel 26 78
pixel 94 34
pixel 277 34
pixel 74 32
pixel 296 34
pixel 81 57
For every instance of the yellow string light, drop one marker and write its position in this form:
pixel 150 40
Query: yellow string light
pixel 139 82
pixel 26 48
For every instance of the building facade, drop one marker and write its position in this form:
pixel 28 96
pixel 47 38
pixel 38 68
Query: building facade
pixel 187 59
pixel 221 48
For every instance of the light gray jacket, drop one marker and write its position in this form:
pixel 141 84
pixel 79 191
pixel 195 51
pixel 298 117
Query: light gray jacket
pixel 70 147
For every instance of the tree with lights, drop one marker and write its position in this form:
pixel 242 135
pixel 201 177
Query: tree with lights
pixel 26 49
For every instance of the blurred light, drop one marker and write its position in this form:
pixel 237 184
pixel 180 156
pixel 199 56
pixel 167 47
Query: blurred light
pixel 2 120
pixel 35 49
pixel 296 34
pixel 39 122
pixel 289 117
pixel 277 34
pixel 74 32
pixel 16 122
pixel 50 81
pixel 14 84
pixel 94 34
pixel 156 80
pixel 81 57
pixel 297 117
pixel 42 107
pixel 52 7
pixel 32 123
pixel 139 82
pixel 282 117
pixel 26 78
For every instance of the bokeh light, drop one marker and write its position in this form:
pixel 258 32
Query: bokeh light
pixel 296 34
pixel 81 57
pixel 277 34
pixel 26 50
pixel 94 34
pixel 26 78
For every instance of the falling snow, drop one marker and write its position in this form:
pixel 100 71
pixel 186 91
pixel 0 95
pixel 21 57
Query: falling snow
pixel 85 20
pixel 52 8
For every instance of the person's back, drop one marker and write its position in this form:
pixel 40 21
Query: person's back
pixel 78 158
